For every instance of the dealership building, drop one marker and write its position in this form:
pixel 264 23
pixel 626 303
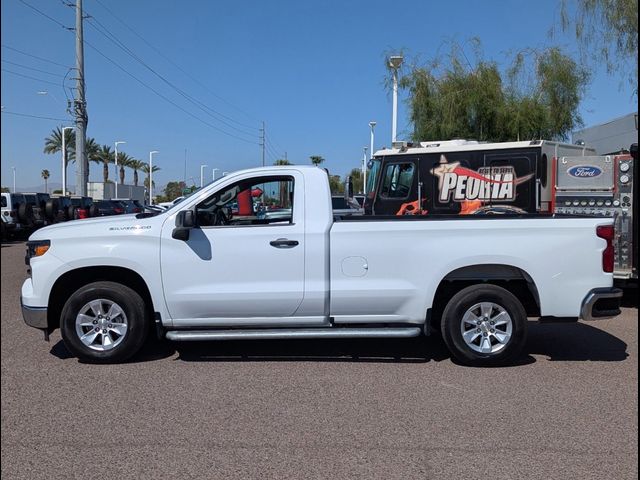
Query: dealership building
pixel 610 137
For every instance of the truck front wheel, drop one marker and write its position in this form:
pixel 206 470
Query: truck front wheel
pixel 104 322
pixel 484 325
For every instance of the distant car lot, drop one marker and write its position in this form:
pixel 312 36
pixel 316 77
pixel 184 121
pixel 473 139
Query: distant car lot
pixel 320 409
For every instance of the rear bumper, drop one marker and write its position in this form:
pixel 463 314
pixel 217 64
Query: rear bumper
pixel 601 303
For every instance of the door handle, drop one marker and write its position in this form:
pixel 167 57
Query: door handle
pixel 283 243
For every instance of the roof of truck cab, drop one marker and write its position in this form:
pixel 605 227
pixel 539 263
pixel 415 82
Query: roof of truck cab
pixel 445 146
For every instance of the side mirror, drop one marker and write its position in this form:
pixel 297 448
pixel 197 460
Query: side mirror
pixel 185 221
pixel 348 188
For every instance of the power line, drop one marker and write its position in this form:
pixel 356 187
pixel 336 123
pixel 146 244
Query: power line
pixel 45 15
pixel 138 80
pixel 35 116
pixel 35 56
pixel 166 98
pixel 159 52
pixel 31 68
pixel 203 107
pixel 30 78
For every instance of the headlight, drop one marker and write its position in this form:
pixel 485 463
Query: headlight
pixel 36 249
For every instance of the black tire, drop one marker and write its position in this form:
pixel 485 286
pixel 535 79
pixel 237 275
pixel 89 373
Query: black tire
pixel 51 208
pixel 131 304
pixel 25 213
pixel 94 211
pixel 70 213
pixel 452 325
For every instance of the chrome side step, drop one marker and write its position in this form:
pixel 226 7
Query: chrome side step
pixel 292 333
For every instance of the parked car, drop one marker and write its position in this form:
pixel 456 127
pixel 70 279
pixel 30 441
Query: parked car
pixel 153 209
pixel 130 206
pixel 16 213
pixel 109 207
pixel 200 275
pixel 83 207
pixel 38 203
pixel 61 208
pixel 342 206
pixel 170 204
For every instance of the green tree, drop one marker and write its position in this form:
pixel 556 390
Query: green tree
pixel 537 98
pixel 135 165
pixel 53 143
pixel 5 190
pixel 316 160
pixel 607 33
pixel 282 161
pixel 123 161
pixel 45 175
pixel 357 180
pixel 335 185
pixel 174 190
pixel 106 156
pixel 145 169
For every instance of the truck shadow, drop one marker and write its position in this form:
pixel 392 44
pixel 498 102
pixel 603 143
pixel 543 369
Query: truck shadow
pixel 569 342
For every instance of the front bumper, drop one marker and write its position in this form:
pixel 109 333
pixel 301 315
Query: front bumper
pixel 35 316
pixel 601 303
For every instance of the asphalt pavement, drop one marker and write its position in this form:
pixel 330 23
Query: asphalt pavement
pixel 369 409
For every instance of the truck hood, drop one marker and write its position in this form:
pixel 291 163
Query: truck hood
pixel 98 227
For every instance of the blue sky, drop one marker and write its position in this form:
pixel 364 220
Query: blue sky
pixel 313 71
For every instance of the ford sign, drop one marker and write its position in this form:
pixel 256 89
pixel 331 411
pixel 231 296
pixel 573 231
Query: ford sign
pixel 584 171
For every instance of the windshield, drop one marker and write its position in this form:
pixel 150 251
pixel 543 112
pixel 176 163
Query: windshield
pixel 173 208
pixel 372 173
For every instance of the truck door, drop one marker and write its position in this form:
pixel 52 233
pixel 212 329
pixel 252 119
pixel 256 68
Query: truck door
pixel 513 181
pixel 398 187
pixel 238 262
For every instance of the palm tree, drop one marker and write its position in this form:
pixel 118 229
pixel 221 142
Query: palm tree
pixel 105 155
pixel 123 161
pixel 53 143
pixel 316 160
pixel 91 149
pixel 136 165
pixel 145 169
pixel 45 174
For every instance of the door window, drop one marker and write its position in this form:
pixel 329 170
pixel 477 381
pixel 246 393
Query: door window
pixel 397 180
pixel 253 201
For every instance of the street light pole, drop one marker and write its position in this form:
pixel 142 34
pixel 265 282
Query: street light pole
pixel 202 167
pixel 364 165
pixel 372 125
pixel 395 62
pixel 151 175
pixel 213 173
pixel 14 179
pixel 117 143
pixel 64 159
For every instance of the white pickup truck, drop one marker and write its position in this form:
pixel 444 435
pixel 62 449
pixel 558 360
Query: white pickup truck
pixel 197 272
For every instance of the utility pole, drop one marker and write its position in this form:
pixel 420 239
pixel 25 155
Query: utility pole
pixel 285 157
pixel 80 109
pixel 185 167
pixel 263 135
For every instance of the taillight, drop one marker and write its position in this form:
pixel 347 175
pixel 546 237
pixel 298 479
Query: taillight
pixel 83 213
pixel 607 233
pixel 118 210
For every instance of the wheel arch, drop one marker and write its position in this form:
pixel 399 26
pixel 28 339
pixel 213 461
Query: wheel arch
pixel 511 278
pixel 72 280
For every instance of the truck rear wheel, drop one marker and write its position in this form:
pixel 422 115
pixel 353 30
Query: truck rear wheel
pixel 104 322
pixel 484 325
